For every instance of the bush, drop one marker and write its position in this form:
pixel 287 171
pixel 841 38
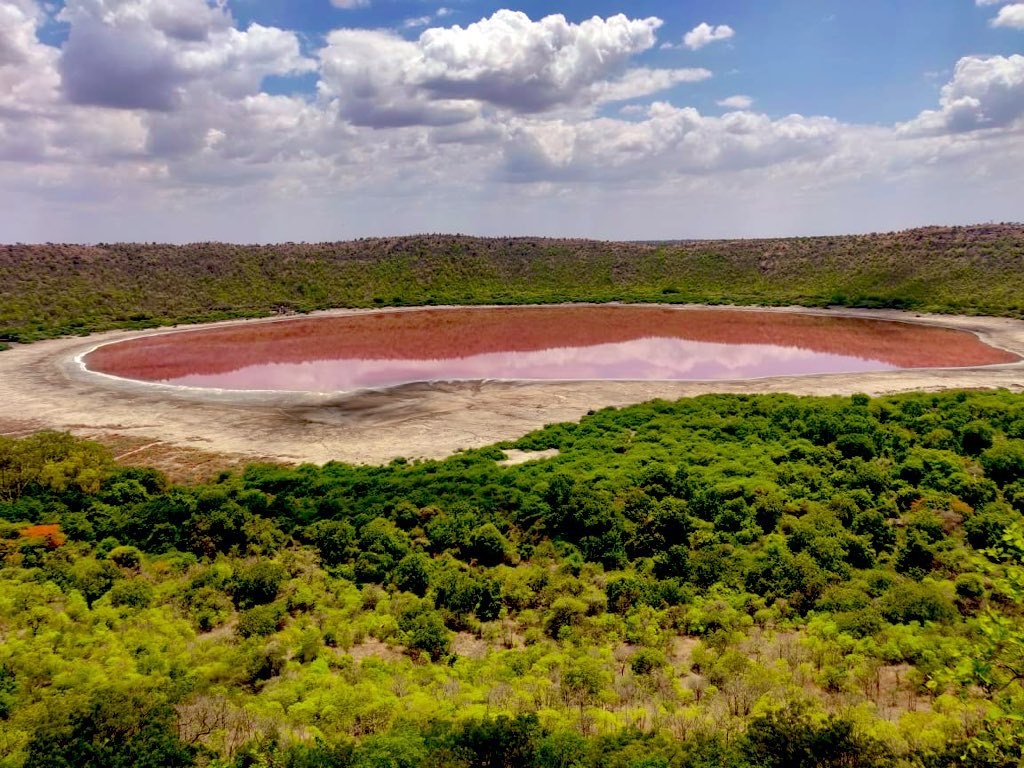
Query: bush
pixel 133 593
pixel 257 584
pixel 975 438
pixel 917 602
pixel 647 660
pixel 564 612
pixel 261 621
pixel 863 622
pixel 986 528
pixel 1004 462
pixel 114 728
pixel 487 546
pixel 502 742
pixel 126 557
pixel 425 631
pixel 264 664
pixel 411 574
pixel 791 738
pixel 626 592
pixel 335 540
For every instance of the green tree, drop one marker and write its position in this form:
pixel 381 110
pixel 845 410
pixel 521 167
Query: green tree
pixel 115 728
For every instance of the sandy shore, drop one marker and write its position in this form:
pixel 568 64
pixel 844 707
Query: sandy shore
pixel 43 385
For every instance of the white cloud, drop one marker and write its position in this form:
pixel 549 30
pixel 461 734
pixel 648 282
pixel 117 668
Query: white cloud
pixel 669 142
pixel 144 54
pixel 349 5
pixel 526 65
pixel 1010 16
pixel 705 34
pixel 738 101
pixel 636 83
pixel 28 69
pixel 507 61
pixel 495 127
pixel 986 92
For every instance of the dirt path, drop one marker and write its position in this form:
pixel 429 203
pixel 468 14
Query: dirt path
pixel 43 386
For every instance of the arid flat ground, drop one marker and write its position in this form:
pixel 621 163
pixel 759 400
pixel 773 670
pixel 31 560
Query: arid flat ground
pixel 191 433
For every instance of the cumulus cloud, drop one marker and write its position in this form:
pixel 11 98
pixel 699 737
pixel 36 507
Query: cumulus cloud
pixel 705 34
pixel 670 141
pixel 28 69
pixel 140 54
pixel 527 65
pixel 1010 16
pixel 157 108
pixel 738 101
pixel 507 61
pixel 986 92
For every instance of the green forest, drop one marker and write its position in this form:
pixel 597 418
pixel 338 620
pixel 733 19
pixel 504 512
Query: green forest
pixel 746 581
pixel 52 289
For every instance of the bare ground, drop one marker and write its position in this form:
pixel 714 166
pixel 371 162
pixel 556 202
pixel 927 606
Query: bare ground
pixel 194 433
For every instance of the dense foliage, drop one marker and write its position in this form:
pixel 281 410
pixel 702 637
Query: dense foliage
pixel 50 290
pixel 725 580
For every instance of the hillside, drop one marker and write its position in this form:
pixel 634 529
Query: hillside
pixel 725 581
pixel 50 290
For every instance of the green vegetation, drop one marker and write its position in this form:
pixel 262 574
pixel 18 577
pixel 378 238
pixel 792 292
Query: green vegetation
pixel 723 581
pixel 52 290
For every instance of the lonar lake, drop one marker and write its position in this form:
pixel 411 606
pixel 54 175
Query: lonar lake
pixel 550 343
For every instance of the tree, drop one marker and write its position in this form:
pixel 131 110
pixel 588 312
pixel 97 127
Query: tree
pixel 1004 462
pixel 425 631
pixel 411 574
pixel 115 728
pixel 565 612
pixel 792 738
pixel 487 546
pixel 503 742
pixel 257 584
pixel 583 679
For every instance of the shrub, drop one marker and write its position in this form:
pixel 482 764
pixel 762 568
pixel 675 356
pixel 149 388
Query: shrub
pixel 487 546
pixel 1004 462
pixel 791 738
pixel 411 574
pixel 132 593
pixel 647 660
pixel 425 631
pixel 125 557
pixel 261 621
pixel 257 584
pixel 923 602
pixel 564 612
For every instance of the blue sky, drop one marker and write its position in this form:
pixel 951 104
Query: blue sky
pixel 177 119
pixel 868 60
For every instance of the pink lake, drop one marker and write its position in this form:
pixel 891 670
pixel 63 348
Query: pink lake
pixel 556 343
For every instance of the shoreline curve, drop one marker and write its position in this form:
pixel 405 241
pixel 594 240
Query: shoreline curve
pixel 45 385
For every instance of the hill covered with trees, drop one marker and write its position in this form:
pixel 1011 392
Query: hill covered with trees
pixel 49 290
pixel 745 581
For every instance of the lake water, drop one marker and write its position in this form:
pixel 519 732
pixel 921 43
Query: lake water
pixel 561 343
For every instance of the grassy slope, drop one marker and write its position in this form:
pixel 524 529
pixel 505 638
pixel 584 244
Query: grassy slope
pixel 49 290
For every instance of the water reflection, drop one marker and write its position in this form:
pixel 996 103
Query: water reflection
pixel 641 359
pixel 533 343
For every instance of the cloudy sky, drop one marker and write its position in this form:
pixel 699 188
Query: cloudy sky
pixel 272 120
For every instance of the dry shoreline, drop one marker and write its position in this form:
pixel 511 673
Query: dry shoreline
pixel 43 386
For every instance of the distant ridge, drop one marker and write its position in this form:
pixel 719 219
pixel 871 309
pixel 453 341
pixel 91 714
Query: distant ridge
pixel 52 289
